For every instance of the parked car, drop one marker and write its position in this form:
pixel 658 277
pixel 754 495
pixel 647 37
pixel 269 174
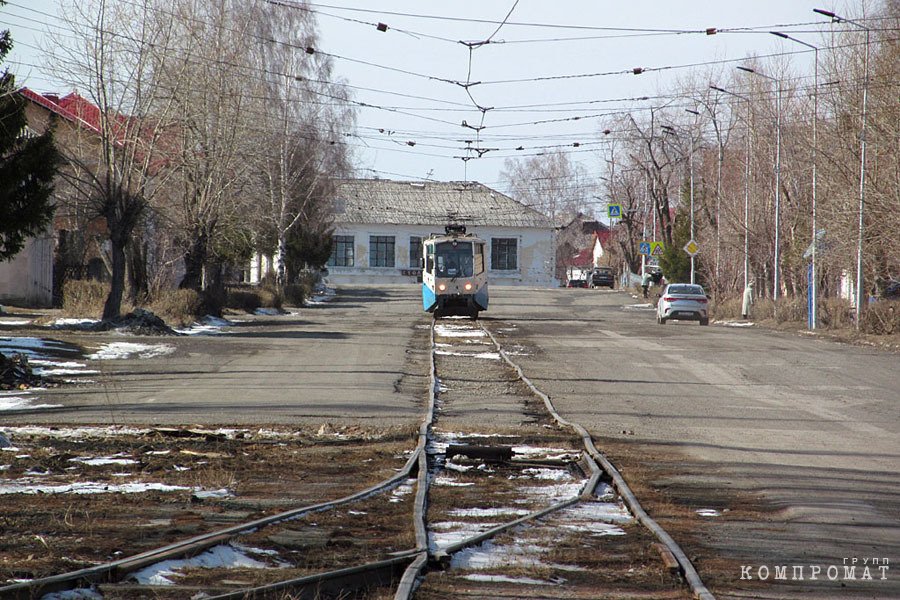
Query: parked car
pixel 577 283
pixel 683 302
pixel 602 277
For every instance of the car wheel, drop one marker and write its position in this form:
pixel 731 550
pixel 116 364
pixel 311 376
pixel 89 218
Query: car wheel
pixel 660 320
pixel 704 321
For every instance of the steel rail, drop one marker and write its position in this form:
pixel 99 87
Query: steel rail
pixel 337 582
pixel 409 581
pixel 441 555
pixel 698 588
pixel 119 569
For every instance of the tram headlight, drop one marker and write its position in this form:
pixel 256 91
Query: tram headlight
pixel 468 286
pixel 442 287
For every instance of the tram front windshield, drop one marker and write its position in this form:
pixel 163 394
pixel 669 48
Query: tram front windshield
pixel 454 260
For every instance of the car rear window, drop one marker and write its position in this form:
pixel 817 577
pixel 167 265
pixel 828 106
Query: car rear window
pixel 693 290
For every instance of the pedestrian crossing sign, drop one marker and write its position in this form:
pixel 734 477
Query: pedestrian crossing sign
pixel 644 248
pixel 614 211
pixel 656 248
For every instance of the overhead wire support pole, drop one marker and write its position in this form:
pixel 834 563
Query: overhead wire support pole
pixel 776 284
pixel 813 284
pixel 862 160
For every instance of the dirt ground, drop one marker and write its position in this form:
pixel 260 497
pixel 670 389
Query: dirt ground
pixel 250 474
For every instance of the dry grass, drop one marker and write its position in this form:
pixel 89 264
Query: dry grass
pixel 178 307
pixel 84 298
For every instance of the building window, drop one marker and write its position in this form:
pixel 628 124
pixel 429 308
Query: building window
pixel 381 251
pixel 415 252
pixel 504 256
pixel 341 251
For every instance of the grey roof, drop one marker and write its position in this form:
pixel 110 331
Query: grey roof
pixel 385 201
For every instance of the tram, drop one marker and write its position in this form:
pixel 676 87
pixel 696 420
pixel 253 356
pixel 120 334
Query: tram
pixel 454 279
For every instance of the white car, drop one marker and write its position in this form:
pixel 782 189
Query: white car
pixel 683 302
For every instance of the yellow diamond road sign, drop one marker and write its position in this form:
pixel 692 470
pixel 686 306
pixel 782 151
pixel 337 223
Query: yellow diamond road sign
pixel 692 248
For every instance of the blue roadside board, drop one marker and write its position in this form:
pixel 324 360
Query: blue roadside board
pixel 644 248
pixel 614 211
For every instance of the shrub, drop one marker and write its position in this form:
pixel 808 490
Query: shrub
pixel 84 298
pixel 296 293
pixel 727 308
pixel 835 313
pixel 178 306
pixel 270 298
pixel 881 318
pixel 790 310
pixel 242 299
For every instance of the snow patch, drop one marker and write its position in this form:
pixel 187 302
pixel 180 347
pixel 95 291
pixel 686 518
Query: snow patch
pixel 218 557
pixel 121 350
pixel 505 579
pixel 27 486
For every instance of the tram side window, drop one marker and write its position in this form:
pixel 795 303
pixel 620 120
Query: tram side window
pixel 479 259
pixel 415 252
pixel 429 261
pixel 341 251
pixel 504 255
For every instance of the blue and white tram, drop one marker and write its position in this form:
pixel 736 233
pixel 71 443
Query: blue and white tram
pixel 454 280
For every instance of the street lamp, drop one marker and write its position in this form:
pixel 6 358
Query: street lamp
pixel 747 174
pixel 813 286
pixel 862 158
pixel 776 283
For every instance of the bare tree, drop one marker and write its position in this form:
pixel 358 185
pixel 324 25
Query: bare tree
pixel 117 164
pixel 302 118
pixel 550 183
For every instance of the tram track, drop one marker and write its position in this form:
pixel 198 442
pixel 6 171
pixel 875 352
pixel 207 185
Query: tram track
pixel 422 571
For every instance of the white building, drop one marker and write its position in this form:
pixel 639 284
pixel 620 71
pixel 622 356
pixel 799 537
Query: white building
pixel 380 224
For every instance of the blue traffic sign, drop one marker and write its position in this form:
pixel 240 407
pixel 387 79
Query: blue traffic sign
pixel 614 211
pixel 644 248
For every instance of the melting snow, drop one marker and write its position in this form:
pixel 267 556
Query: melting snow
pixel 734 323
pixel 26 486
pixel 488 512
pixel 403 489
pixel 21 401
pixel 708 512
pixel 457 331
pixel 208 325
pixel 104 460
pixel 491 556
pixel 505 579
pixel 15 322
pixel 488 355
pixel 218 557
pixel 119 350
pixel 547 474
pixel 83 323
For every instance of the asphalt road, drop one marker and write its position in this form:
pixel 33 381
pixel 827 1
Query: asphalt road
pixel 796 436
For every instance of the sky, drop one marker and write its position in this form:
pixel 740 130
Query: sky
pixel 548 79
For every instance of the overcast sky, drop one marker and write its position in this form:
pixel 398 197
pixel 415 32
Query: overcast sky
pixel 417 81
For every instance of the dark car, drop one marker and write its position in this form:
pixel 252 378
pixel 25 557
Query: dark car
pixel 602 277
pixel 577 283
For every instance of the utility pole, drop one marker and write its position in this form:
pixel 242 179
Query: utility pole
pixel 776 283
pixel 747 176
pixel 813 286
pixel 862 160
